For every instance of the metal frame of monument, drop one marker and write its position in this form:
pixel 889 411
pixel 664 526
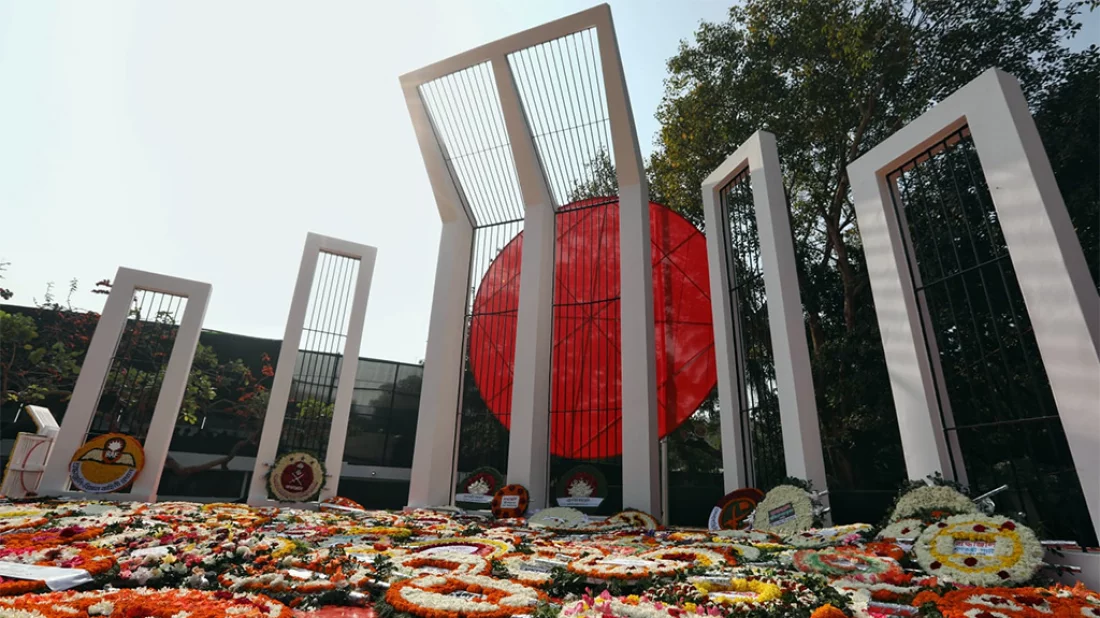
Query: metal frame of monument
pixel 1050 266
pixel 315 246
pixel 94 371
pixel 434 463
pixel 759 158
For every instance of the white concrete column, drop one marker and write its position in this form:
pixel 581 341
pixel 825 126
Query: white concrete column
pixel 1057 288
pixel 97 364
pixel 341 409
pixel 786 321
pixel 275 415
pixel 1054 277
pixel 441 391
pixel 641 462
pixel 724 316
pixel 284 377
pixel 794 379
pixel 176 374
pixel 529 439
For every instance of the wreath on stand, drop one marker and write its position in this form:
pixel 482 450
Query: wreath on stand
pixel 296 477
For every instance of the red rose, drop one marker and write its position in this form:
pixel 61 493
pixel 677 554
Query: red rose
pixel 935 565
pixel 979 528
pixel 970 561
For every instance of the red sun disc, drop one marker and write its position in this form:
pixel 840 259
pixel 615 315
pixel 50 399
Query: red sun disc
pixel 586 402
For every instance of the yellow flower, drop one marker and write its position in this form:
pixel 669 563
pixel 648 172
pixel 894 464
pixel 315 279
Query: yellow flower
pixel 690 607
pixel 168 559
pixel 633 599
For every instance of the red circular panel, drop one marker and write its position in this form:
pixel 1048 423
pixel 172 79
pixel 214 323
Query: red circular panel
pixel 586 403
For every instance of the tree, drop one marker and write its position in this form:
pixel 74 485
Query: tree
pixel 832 79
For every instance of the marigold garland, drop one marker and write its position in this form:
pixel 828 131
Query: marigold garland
pixel 462 596
pixel 145 603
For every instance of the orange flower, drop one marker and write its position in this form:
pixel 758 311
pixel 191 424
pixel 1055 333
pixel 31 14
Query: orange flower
pixel 828 611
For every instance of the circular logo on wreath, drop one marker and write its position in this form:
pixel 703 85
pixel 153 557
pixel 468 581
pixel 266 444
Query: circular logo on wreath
pixel 296 477
pixel 734 508
pixel 510 501
pixel 583 487
pixel 476 490
pixel 106 463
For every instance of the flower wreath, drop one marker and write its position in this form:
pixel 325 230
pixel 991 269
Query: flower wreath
pixel 930 499
pixel 416 565
pixel 767 594
pixel 484 547
pixel 979 550
pixel 558 518
pixel 850 563
pixel 50 537
pixel 634 519
pixel 692 555
pixel 16 516
pixel 144 602
pixel 784 510
pixel 510 501
pixel 603 568
pixel 746 536
pixel 533 569
pixel 735 552
pixel 477 489
pixel 94 560
pixel 241 515
pixel 825 537
pixel 1004 603
pixel 606 606
pixel 296 477
pixel 906 528
pixel 462 596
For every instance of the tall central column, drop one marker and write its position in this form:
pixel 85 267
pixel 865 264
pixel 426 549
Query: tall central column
pixel 528 445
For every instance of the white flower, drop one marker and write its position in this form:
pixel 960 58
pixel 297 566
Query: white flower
pixel 785 509
pixel 101 609
pixel 902 529
pixel 932 498
pixel 580 489
pixel 478 487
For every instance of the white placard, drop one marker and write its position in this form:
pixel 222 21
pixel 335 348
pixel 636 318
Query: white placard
pixel 150 551
pixel 452 549
pixel 714 522
pixel 634 562
pixel 56 578
pixel 975 548
pixel 475 498
pixel 304 574
pixel 582 502
pixel 509 502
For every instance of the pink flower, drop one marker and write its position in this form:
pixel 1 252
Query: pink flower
pixel 125 573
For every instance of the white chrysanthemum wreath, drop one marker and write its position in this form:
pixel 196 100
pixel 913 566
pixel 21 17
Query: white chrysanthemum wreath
pixel 907 529
pixel 784 510
pixel 932 498
pixel 979 550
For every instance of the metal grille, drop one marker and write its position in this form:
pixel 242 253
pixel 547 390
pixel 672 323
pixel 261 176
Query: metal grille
pixel 308 417
pixel 464 109
pixel 582 394
pixel 561 89
pixel 494 284
pixel 994 394
pixel 129 396
pixel 757 392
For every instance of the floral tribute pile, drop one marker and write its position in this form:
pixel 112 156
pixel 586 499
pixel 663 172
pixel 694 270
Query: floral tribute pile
pixel 936 556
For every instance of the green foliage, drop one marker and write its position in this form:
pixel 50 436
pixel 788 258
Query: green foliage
pixel 831 80
pixel 313 408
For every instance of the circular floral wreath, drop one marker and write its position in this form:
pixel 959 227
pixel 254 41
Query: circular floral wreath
pixel 558 518
pixel 624 568
pixel 606 606
pixel 908 528
pixel 1007 603
pixel 746 536
pixel 979 550
pixel 932 498
pixel 462 596
pixel 692 555
pixel 825 537
pixel 296 465
pixel 784 510
pixel 481 546
pixel 849 563
pixel 634 519
pixel 746 593
pixel 510 501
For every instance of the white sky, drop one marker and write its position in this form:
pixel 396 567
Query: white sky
pixel 204 139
